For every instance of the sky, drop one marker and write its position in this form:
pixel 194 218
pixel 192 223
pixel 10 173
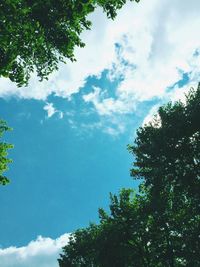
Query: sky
pixel 70 133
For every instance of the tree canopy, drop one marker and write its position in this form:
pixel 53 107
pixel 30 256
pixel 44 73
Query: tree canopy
pixel 37 35
pixel 158 226
pixel 4 161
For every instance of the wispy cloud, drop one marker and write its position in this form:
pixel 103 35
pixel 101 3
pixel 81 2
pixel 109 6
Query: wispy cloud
pixel 107 105
pixel 41 252
pixel 51 110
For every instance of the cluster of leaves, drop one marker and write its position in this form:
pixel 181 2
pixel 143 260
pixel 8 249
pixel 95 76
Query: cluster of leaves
pixel 37 35
pixel 160 225
pixel 4 161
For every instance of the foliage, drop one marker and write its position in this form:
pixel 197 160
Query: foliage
pixel 159 226
pixel 116 241
pixel 167 153
pixel 37 35
pixel 3 153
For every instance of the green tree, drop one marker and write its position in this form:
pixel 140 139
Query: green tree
pixel 36 35
pixel 167 158
pixel 119 240
pixel 4 161
pixel 159 226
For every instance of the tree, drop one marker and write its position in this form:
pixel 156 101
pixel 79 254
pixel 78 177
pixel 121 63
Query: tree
pixel 37 35
pixel 159 226
pixel 3 153
pixel 167 158
pixel 119 240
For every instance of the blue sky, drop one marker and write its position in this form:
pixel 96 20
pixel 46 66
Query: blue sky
pixel 63 168
pixel 60 175
pixel 70 133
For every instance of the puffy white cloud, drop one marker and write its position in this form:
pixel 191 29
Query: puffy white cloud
pixel 157 46
pixel 157 42
pixel 41 252
pixel 161 48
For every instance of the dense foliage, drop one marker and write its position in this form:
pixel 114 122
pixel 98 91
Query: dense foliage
pixel 160 225
pixel 36 35
pixel 3 153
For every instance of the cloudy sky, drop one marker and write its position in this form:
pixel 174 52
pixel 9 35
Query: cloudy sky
pixel 70 133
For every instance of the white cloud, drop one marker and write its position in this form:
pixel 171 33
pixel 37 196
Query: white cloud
pixel 161 46
pixel 61 114
pixel 157 43
pixel 42 252
pixel 107 105
pixel 175 95
pixel 91 60
pixel 152 113
pixel 158 46
pixel 50 109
